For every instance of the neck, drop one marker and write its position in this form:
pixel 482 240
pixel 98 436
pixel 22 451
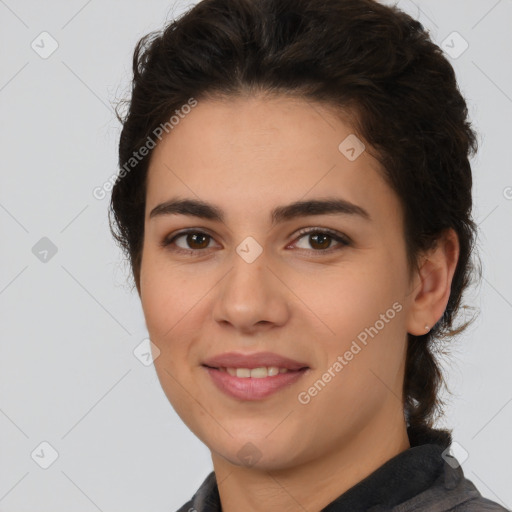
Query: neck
pixel 316 482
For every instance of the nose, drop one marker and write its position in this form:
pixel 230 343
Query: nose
pixel 251 297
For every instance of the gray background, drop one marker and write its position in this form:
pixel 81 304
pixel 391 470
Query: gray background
pixel 70 323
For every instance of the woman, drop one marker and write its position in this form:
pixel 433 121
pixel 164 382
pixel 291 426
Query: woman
pixel 295 201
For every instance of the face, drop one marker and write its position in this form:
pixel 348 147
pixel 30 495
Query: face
pixel 326 287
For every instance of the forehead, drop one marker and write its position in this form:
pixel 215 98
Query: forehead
pixel 262 150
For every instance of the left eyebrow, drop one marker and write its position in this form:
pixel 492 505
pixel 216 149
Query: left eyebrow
pixel 204 210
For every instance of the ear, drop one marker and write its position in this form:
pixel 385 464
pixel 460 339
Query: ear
pixel 431 284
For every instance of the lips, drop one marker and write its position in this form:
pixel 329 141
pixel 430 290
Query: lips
pixel 250 361
pixel 220 369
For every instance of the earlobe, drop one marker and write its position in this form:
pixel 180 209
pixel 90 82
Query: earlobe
pixel 433 280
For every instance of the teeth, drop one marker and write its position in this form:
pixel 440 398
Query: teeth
pixel 255 373
pixel 243 372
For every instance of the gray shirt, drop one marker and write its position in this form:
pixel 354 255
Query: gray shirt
pixel 425 477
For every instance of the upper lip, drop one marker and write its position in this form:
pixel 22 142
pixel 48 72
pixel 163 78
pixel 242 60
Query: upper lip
pixel 239 360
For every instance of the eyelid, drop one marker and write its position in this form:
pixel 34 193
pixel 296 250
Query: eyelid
pixel 168 240
pixel 336 235
pixel 339 237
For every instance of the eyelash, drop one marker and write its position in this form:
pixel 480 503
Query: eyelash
pixel 343 240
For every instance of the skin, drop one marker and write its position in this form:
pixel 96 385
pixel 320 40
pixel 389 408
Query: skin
pixel 248 155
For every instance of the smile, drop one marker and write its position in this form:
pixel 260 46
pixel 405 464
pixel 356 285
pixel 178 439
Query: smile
pixel 255 383
pixel 255 373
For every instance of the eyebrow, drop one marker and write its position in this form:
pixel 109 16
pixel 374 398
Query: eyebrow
pixel 204 210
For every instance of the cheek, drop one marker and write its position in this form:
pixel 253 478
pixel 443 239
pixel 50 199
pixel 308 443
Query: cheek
pixel 175 305
pixel 166 296
pixel 363 323
pixel 344 304
pixel 362 364
pixel 169 318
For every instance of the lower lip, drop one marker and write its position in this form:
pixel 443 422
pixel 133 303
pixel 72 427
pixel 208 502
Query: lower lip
pixel 250 388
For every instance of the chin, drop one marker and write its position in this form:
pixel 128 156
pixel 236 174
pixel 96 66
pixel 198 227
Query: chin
pixel 258 453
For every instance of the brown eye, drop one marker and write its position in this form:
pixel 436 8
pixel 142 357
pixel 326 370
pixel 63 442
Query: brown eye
pixel 197 240
pixel 320 240
pixel 316 240
pixel 189 241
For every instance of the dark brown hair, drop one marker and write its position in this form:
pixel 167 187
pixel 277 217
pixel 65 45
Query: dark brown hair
pixel 360 57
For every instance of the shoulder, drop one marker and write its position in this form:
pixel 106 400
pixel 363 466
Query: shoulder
pixel 450 492
pixel 471 499
pixel 479 504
